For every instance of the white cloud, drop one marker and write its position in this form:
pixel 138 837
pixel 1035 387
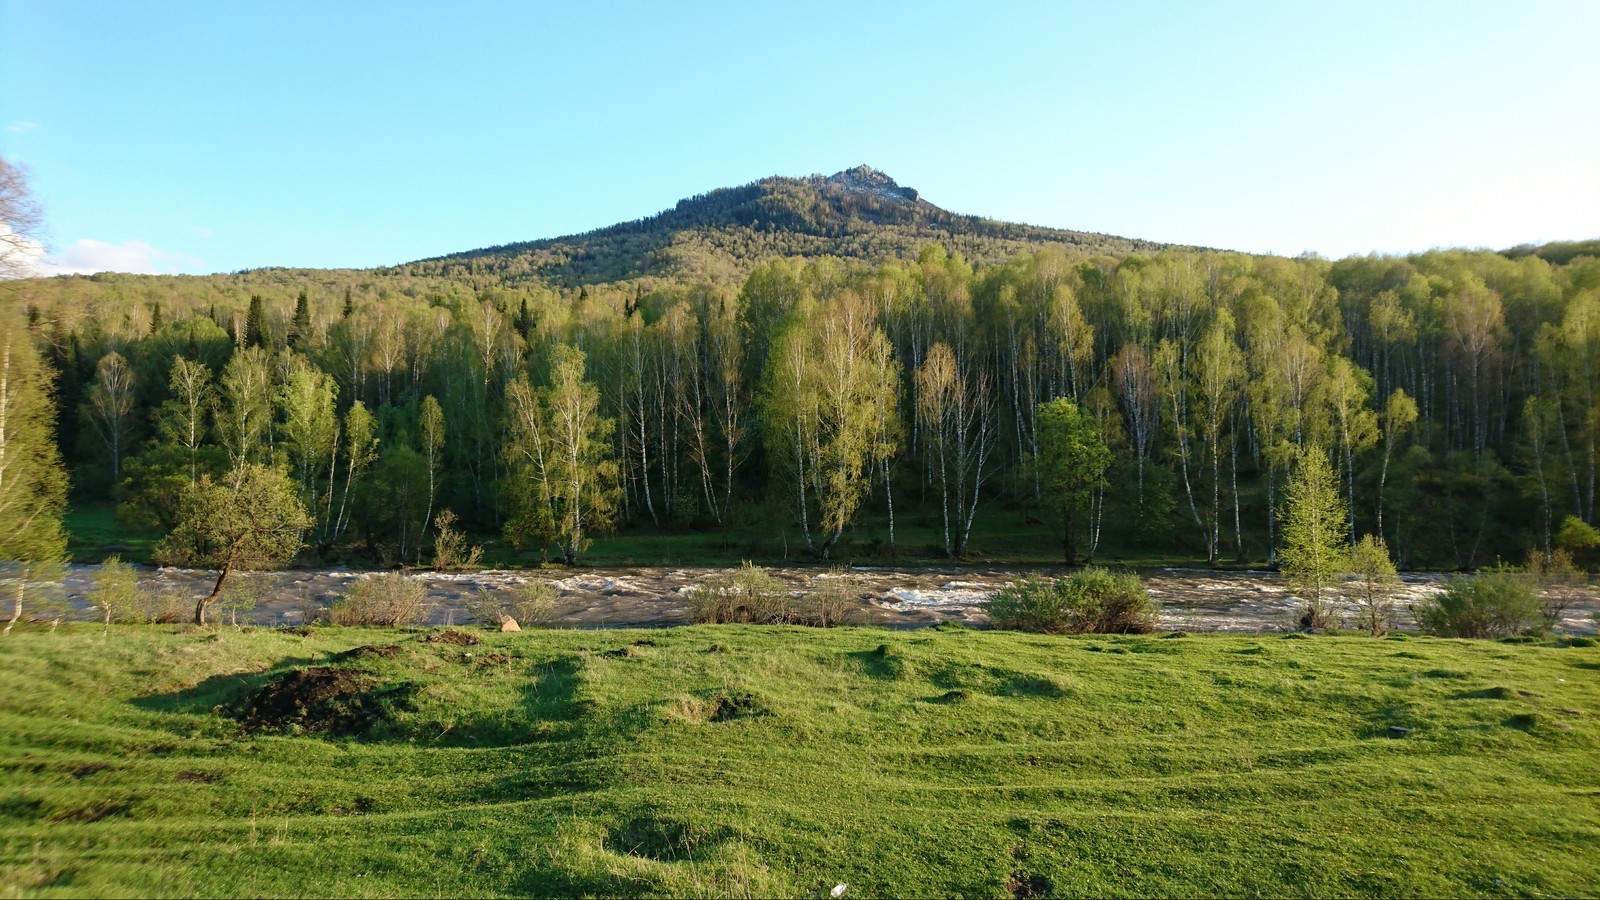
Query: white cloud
pixel 202 232
pixel 22 126
pixel 87 256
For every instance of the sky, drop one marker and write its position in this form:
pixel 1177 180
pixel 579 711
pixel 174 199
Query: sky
pixel 213 137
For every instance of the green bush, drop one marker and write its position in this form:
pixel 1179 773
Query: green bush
pixel 747 594
pixel 834 599
pixel 390 599
pixel 532 603
pixel 1093 601
pixel 1492 603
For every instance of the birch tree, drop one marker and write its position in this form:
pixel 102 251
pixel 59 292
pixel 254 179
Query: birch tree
pixel 33 483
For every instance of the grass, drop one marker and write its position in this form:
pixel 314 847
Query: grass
pixel 749 761
pixel 92 528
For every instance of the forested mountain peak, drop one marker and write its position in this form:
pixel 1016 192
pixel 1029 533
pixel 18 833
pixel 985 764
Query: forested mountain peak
pixel 859 214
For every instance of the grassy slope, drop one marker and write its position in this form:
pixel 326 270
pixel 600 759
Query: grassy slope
pixel 931 762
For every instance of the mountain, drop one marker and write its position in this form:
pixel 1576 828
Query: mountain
pixel 858 214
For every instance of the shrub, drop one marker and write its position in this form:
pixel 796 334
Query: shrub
pixel 114 589
pixel 747 594
pixel 1561 583
pixel 1093 601
pixel 1375 581
pixel 530 604
pixel 162 606
pixel 390 599
pixel 242 595
pixel 450 547
pixel 833 601
pixel 1492 603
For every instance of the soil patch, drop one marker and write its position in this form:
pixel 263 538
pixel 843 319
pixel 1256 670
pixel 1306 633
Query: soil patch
pixel 385 651
pixel 84 770
pixel 323 699
pixel 727 707
pixel 454 638
pixel 1023 886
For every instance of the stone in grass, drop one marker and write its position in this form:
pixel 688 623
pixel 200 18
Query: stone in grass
pixel 1399 730
pixel 509 624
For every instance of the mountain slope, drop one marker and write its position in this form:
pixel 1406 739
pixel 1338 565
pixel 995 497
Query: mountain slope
pixel 860 214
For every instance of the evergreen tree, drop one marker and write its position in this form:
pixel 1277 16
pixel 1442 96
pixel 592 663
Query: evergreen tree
pixel 300 327
pixel 253 322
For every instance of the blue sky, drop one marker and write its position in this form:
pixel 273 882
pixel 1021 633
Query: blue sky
pixel 218 136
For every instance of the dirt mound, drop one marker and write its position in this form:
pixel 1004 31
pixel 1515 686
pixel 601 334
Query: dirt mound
pixel 454 638
pixel 1024 886
pixel 385 651
pixel 323 699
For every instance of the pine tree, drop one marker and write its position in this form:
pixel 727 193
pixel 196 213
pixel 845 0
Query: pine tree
pixel 300 328
pixel 33 482
pixel 1316 535
pixel 253 322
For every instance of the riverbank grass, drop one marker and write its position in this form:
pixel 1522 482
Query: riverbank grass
pixel 734 760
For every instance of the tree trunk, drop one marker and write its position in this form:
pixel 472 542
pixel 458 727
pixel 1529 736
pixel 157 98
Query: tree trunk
pixel 216 591
pixel 16 603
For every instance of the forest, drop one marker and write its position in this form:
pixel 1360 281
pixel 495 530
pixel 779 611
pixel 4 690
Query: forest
pixel 1127 404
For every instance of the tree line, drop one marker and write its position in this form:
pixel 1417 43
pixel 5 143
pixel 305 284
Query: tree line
pixel 1154 401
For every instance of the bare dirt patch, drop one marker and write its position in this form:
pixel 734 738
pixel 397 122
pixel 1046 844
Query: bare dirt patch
pixel 371 651
pixel 453 638
pixel 323 699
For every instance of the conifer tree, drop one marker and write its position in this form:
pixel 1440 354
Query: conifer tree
pixel 253 322
pixel 300 328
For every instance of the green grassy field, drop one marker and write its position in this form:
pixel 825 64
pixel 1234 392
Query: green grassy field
pixel 758 761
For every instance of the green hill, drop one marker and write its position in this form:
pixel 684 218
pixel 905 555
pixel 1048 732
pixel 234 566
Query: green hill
pixel 858 214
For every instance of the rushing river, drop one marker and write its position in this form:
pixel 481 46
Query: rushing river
pixel 647 597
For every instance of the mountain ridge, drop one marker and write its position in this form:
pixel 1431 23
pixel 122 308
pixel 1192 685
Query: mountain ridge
pixel 860 213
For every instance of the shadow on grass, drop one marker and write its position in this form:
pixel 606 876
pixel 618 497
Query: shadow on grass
pixel 553 882
pixel 884 663
pixel 356 694
pixel 220 690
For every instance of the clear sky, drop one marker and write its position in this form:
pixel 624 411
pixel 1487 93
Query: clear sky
pixel 215 136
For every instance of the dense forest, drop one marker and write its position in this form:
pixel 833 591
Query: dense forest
pixel 1118 396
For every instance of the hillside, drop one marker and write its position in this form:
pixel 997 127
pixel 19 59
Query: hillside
pixel 858 214
pixel 749 761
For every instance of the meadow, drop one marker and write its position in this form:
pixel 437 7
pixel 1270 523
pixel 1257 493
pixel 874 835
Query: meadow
pixel 778 761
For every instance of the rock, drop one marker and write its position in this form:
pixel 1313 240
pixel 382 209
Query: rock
pixel 509 624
